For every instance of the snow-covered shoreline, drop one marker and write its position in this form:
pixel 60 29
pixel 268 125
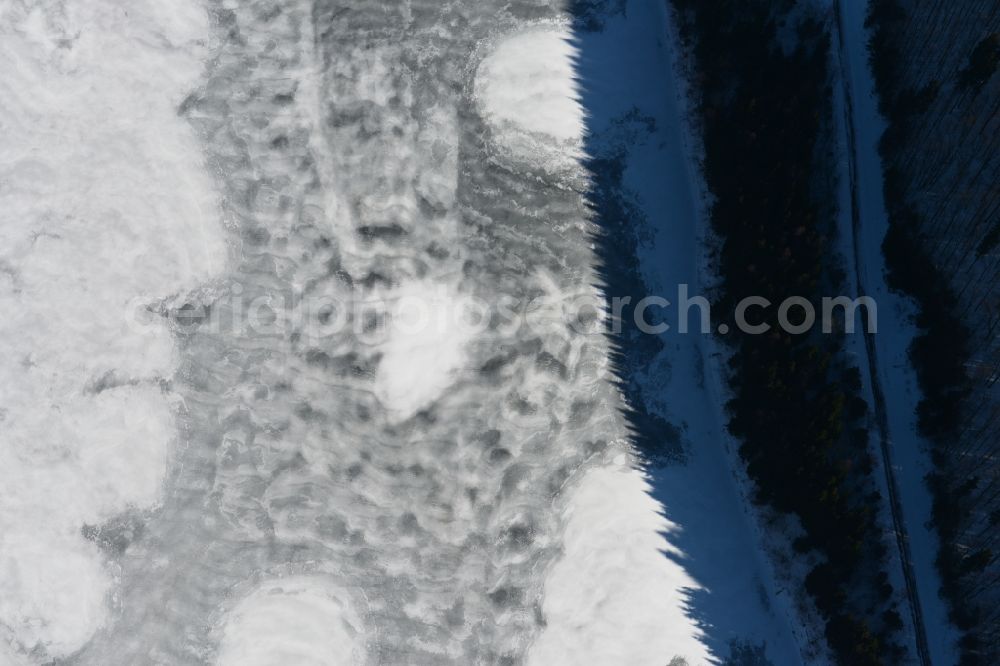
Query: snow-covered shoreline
pixel 738 598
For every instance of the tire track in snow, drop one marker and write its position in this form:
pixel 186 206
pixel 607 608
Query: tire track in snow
pixel 881 416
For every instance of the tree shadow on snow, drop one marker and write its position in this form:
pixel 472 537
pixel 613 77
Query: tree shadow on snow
pixel 629 207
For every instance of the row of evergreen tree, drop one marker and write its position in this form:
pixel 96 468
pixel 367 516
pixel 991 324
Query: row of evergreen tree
pixel 762 70
pixel 936 69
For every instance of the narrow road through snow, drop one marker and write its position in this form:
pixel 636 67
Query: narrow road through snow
pixel 904 455
pixel 878 395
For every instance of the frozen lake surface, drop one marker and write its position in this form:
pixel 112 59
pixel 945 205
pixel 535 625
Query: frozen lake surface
pixel 304 355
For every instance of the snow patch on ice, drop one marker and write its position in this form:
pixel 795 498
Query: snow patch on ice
pixel 527 92
pixel 429 329
pixel 53 586
pixel 104 204
pixel 617 567
pixel 303 620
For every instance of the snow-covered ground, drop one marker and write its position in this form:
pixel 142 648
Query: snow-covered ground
pixel 910 456
pixel 105 207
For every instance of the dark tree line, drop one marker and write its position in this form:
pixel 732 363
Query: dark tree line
pixel 936 66
pixel 796 407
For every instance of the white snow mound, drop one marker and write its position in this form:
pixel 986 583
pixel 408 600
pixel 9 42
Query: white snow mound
pixel 304 621
pixel 527 92
pixel 430 326
pixel 615 597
